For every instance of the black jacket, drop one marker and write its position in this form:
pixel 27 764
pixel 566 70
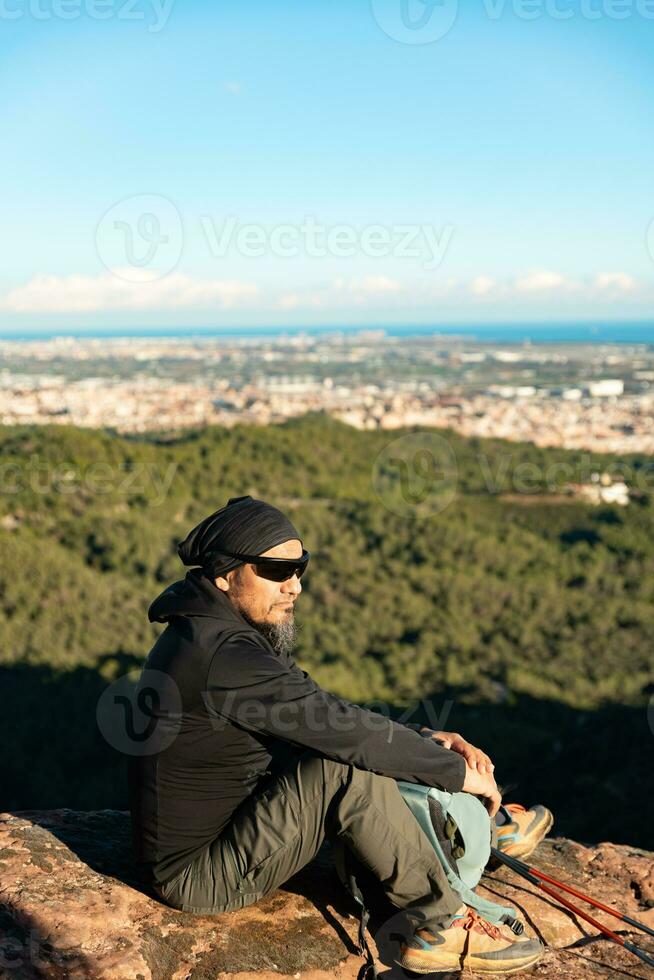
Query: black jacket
pixel 245 712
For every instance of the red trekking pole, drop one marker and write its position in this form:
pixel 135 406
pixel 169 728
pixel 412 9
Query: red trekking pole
pixel 539 877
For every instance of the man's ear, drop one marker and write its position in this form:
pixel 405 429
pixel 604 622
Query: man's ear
pixel 224 582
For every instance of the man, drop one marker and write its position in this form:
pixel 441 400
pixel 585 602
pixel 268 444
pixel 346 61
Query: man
pixel 264 764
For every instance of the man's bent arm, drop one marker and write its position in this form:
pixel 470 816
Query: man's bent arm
pixel 256 689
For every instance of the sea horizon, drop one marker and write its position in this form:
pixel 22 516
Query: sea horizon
pixel 629 332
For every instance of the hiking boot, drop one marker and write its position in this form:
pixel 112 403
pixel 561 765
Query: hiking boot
pixel 472 942
pixel 523 829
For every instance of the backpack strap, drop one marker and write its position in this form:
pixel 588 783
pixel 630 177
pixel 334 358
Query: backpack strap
pixel 466 822
pixel 343 865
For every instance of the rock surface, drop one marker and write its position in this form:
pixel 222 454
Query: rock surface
pixel 71 909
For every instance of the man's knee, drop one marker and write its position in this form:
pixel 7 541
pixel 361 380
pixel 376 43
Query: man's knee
pixel 373 783
pixel 316 768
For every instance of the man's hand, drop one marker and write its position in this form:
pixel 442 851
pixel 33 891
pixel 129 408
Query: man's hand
pixel 474 757
pixel 483 784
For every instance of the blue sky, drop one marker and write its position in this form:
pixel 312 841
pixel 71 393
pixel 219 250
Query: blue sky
pixel 188 163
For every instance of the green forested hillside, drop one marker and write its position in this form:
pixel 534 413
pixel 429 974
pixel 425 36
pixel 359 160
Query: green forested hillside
pixel 534 616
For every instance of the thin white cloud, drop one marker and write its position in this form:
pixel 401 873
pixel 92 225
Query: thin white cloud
pixel 379 284
pixel 341 293
pixel 543 281
pixel 540 281
pixel 369 285
pixel 87 294
pixel 233 87
pixel 482 285
pixel 621 281
pixel 118 291
pixel 302 301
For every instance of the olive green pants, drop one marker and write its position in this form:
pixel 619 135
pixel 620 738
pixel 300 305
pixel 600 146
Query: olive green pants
pixel 281 827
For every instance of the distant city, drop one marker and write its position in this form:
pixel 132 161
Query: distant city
pixel 583 395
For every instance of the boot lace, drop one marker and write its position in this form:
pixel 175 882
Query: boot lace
pixel 473 922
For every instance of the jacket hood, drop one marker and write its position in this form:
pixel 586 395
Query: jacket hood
pixel 194 595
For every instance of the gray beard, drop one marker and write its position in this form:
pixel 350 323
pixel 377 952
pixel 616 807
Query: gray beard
pixel 281 636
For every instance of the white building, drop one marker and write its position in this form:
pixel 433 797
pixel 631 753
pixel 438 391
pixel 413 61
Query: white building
pixel 606 388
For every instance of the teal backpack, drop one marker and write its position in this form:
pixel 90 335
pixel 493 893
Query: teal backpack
pixel 458 829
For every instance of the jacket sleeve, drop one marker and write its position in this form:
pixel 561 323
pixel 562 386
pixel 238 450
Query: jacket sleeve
pixel 256 689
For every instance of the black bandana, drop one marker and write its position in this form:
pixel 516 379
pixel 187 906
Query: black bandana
pixel 244 524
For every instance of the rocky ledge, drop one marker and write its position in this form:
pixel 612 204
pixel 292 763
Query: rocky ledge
pixel 71 909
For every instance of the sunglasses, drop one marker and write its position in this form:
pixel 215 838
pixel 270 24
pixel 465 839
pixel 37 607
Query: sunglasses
pixel 275 569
